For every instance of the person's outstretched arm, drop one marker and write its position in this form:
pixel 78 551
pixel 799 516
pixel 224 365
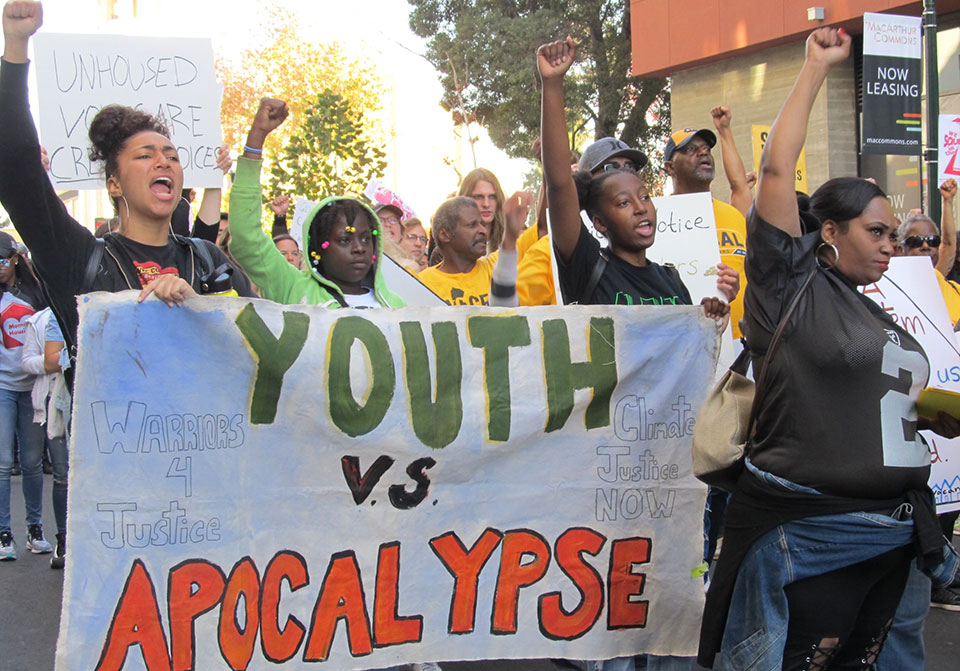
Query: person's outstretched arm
pixel 776 191
pixel 250 246
pixel 280 205
pixel 948 228
pixel 553 61
pixel 503 283
pixel 206 225
pixel 740 195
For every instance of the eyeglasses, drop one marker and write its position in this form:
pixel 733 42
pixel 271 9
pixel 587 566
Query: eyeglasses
pixel 917 241
pixel 629 165
pixel 6 263
pixel 413 237
pixel 390 221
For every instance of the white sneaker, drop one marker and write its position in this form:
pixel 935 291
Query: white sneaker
pixel 8 549
pixel 36 543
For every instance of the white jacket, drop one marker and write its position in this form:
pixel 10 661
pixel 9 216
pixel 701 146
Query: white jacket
pixel 50 396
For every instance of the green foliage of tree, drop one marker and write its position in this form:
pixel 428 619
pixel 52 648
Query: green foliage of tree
pixel 330 153
pixel 485 53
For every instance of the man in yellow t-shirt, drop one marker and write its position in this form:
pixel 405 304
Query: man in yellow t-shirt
pixel 463 277
pixel 689 162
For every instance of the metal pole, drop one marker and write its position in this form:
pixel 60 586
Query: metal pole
pixel 933 107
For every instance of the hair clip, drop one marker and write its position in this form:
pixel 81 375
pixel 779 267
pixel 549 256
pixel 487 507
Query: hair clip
pixel 325 244
pixel 374 259
pixel 350 229
pixel 314 256
pixel 374 232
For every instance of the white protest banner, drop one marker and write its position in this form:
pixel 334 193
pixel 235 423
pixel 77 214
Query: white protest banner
pixel 300 211
pixel 910 293
pixel 948 147
pixel 171 78
pixel 299 485
pixel 687 238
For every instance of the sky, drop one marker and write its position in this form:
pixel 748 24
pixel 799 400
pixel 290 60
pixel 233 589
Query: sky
pixel 374 29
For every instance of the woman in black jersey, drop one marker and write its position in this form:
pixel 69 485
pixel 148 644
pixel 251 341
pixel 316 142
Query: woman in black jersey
pixel 621 209
pixel 833 503
pixel 144 179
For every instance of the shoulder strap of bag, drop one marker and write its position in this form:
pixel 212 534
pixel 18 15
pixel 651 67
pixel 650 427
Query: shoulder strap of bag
pixel 595 274
pixel 772 348
pixel 201 249
pixel 93 264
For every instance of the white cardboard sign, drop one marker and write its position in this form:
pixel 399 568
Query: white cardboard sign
pixel 910 293
pixel 171 78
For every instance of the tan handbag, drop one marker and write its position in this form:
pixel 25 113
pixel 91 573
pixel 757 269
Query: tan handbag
pixel 721 436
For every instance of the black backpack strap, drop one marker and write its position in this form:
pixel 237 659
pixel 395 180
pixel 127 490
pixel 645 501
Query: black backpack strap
pixel 595 275
pixel 93 264
pixel 200 249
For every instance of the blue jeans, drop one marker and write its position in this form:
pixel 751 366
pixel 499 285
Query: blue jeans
pixel 904 646
pixel 757 622
pixel 16 417
pixel 59 462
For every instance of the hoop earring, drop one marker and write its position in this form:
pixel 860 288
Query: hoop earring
pixel 120 222
pixel 836 255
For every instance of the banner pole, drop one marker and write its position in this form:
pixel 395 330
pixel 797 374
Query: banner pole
pixel 933 109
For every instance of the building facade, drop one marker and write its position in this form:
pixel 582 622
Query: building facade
pixel 746 55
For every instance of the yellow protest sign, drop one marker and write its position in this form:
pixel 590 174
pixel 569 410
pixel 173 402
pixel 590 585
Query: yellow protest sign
pixel 760 138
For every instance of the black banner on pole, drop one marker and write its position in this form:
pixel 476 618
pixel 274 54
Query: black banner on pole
pixel 892 76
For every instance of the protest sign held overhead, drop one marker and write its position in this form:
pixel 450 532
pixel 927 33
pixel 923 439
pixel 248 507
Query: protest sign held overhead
pixel 171 78
pixel 430 484
pixel 892 73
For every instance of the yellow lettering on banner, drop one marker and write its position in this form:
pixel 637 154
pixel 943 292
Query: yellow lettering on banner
pixel 760 138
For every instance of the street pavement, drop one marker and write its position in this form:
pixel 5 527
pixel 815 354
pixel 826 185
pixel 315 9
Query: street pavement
pixel 31 592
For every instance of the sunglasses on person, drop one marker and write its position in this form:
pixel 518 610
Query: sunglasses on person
pixel 413 237
pixel 7 262
pixel 629 165
pixel 916 241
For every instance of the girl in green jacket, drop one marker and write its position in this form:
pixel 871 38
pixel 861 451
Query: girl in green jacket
pixel 342 241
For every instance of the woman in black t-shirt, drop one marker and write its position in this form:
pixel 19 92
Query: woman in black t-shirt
pixel 821 529
pixel 621 209
pixel 143 177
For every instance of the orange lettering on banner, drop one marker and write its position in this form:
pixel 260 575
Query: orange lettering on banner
pixel 341 597
pixel 236 646
pixel 388 627
pixel 194 587
pixel 281 645
pixel 136 622
pixel 624 583
pixel 517 570
pixel 465 568
pixel 555 621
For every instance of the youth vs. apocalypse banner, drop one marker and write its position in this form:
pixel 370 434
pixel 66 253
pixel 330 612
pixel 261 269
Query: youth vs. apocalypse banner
pixel 171 78
pixel 254 483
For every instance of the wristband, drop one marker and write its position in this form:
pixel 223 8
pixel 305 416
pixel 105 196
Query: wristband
pixel 251 150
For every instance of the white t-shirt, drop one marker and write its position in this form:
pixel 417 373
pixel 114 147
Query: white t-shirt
pixel 364 300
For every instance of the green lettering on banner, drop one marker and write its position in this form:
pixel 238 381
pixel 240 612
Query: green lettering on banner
pixel 436 417
pixel 274 357
pixel 598 373
pixel 349 416
pixel 496 335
